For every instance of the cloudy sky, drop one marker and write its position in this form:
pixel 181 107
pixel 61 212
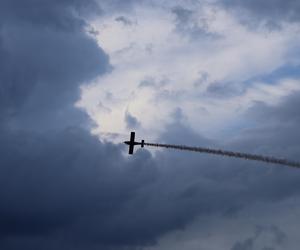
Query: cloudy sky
pixel 77 76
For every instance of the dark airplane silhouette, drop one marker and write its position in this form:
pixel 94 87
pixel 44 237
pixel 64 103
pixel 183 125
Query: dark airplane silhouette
pixel 132 143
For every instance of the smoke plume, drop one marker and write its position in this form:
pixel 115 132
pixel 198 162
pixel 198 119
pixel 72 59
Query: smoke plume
pixel 254 157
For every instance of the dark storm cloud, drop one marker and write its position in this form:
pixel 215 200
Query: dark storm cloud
pixel 61 15
pixel 276 133
pixel 245 245
pixel 52 179
pixel 69 181
pixel 279 127
pixel 285 112
pixel 61 188
pixel 44 57
pixel 273 12
pixel 231 185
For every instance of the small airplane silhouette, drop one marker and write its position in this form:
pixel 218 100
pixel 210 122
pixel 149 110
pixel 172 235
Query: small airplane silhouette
pixel 132 143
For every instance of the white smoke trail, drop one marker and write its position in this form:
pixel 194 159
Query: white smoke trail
pixel 229 154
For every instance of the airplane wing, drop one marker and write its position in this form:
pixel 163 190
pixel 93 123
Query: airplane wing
pixel 132 135
pixel 131 145
pixel 131 149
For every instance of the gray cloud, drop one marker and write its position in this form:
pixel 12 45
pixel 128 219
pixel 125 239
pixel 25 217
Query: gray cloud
pixel 272 12
pixel 61 188
pixel 202 79
pixel 69 181
pixel 245 245
pixel 224 89
pixel 123 20
pixel 156 84
pixel 42 63
pixel 56 15
pixel 131 121
pixel 189 24
pixel 240 183
pixel 147 82
pixel 59 185
pixel 286 112
pixel 253 242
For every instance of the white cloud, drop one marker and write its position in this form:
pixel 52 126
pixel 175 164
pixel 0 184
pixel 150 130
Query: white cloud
pixel 152 47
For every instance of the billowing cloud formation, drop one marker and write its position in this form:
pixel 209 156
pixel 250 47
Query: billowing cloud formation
pixel 194 55
pixel 45 56
pixel 62 188
pixel 229 187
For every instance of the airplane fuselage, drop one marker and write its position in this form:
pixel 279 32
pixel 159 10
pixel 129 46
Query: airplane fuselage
pixel 132 143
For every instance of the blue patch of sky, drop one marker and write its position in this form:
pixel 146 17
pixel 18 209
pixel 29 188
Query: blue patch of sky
pixel 286 71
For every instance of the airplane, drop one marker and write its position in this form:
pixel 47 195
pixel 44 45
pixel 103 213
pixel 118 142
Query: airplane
pixel 132 143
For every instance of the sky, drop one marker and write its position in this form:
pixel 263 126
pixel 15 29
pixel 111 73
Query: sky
pixel 77 76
